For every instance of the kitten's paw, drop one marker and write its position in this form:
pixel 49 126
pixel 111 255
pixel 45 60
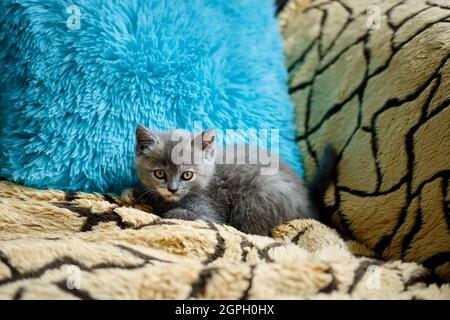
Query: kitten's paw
pixel 210 219
pixel 127 198
pixel 132 198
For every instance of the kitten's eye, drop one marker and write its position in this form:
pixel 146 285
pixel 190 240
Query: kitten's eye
pixel 187 175
pixel 160 174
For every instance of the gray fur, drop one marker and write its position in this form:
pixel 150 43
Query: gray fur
pixel 234 194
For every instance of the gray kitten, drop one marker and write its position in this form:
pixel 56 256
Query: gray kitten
pixel 234 194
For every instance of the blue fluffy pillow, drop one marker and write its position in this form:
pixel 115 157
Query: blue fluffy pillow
pixel 72 95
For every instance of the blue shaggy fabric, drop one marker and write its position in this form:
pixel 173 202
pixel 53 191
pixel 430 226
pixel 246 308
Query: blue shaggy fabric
pixel 72 95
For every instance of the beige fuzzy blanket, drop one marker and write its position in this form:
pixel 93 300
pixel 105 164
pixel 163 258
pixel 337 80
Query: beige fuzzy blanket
pixel 56 245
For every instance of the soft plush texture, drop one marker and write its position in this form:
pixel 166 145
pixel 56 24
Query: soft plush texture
pixel 60 245
pixel 381 98
pixel 71 99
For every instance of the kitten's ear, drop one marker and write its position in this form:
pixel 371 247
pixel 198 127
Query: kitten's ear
pixel 145 139
pixel 205 140
pixel 208 139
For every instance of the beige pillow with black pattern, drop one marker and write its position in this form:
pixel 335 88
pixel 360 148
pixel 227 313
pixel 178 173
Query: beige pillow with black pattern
pixel 373 79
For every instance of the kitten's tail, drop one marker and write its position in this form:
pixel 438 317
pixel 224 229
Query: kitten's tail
pixel 324 175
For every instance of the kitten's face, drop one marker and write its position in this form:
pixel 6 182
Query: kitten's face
pixel 162 172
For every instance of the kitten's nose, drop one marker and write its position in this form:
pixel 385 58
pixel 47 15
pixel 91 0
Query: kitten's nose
pixel 173 190
pixel 172 187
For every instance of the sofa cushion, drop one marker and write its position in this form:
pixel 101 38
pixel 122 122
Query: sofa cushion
pixel 373 79
pixel 76 80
